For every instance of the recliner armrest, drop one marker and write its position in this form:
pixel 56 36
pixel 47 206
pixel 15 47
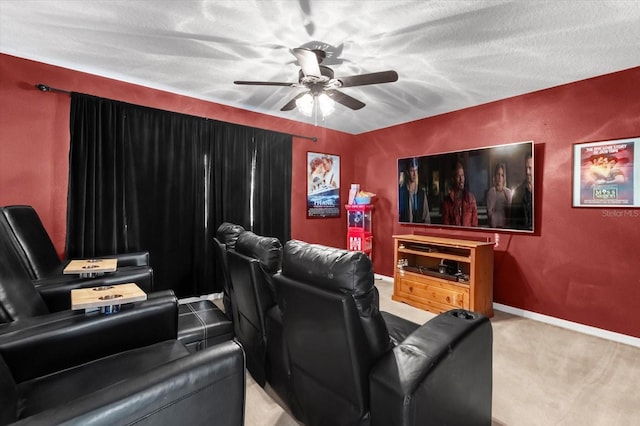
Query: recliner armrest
pixel 139 258
pixel 33 347
pixel 442 371
pixel 56 292
pixel 207 387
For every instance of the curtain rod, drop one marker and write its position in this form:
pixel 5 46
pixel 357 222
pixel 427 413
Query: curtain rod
pixel 45 88
pixel 311 138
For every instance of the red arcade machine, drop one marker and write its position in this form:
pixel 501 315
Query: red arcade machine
pixel 359 236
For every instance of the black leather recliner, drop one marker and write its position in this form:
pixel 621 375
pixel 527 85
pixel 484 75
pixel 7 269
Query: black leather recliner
pixel 36 252
pixel 58 365
pixel 20 298
pixel 352 364
pixel 200 323
pixel 251 265
pixel 225 239
pixel 119 369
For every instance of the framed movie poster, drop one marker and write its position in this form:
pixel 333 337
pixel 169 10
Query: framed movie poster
pixel 606 173
pixel 323 185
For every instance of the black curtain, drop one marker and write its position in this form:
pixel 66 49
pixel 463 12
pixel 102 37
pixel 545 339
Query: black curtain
pixel 146 179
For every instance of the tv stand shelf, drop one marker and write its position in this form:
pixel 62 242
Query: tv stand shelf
pixel 420 281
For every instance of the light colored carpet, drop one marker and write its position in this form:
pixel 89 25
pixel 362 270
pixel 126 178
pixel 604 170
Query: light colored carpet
pixel 542 375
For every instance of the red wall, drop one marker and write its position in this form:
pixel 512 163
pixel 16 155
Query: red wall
pixel 34 142
pixel 580 265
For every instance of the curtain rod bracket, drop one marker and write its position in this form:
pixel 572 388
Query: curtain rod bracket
pixel 44 88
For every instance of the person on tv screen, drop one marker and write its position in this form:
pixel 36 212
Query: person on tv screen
pixel 521 216
pixel 459 206
pixel 499 198
pixel 413 204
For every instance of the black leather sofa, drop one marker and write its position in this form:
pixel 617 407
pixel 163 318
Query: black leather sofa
pixel 27 251
pixel 22 226
pixel 59 366
pixel 21 299
pixel 352 364
pixel 37 253
pixel 119 369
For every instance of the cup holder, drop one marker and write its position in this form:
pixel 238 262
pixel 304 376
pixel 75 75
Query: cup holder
pixel 102 288
pixel 462 314
pixel 110 296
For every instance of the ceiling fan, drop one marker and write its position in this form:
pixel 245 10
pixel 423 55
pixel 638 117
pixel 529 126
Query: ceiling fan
pixel 319 79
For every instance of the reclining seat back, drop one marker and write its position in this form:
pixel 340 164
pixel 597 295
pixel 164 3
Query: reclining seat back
pixel 40 258
pixel 225 239
pixel 37 250
pixel 251 267
pixel 18 297
pixel 333 329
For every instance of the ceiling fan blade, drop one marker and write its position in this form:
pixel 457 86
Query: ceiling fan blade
pixel 308 61
pixel 292 103
pixel 265 83
pixel 373 78
pixel 345 100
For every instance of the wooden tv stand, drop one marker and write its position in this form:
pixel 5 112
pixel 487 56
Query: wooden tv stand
pixel 418 281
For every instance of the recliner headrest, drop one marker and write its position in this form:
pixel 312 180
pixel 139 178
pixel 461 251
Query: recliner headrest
pixel 328 267
pixel 18 296
pixel 227 233
pixel 267 250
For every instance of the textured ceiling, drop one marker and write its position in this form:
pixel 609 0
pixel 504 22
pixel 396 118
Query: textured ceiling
pixel 449 55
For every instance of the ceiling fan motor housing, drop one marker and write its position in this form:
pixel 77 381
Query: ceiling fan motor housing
pixel 316 84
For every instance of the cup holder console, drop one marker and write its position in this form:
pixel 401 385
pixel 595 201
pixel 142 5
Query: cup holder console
pixel 462 314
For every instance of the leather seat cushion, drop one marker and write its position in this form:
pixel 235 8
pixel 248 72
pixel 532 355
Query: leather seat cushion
pixel 202 324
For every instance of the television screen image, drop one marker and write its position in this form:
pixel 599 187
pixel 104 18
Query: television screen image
pixel 484 188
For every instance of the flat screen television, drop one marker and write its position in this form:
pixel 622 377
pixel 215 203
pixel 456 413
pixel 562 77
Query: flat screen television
pixel 484 188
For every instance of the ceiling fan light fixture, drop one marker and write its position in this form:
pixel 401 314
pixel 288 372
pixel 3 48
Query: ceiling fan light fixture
pixel 309 104
pixel 305 104
pixel 326 104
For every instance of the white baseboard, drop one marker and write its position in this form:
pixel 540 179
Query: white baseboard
pixel 574 326
pixel 581 328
